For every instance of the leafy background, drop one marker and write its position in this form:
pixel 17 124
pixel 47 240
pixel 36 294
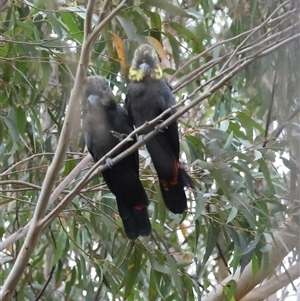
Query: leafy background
pixel 239 142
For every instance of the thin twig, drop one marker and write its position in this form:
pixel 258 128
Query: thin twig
pixel 281 127
pixel 239 66
pixel 270 110
pixel 59 189
pixel 35 227
pixel 49 218
pixel 46 284
pixel 88 21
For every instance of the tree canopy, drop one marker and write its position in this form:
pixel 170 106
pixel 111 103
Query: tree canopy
pixel 234 70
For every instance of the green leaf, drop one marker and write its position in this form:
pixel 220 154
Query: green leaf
pixel 250 123
pixel 152 293
pixel 134 268
pixel 175 49
pixel 224 124
pixel 232 214
pixel 131 30
pixel 228 141
pixel 242 166
pixel 200 205
pixel 252 244
pixel 257 154
pixel 160 208
pixel 69 166
pixel 211 240
pixel 157 266
pixel 156 277
pixel 265 170
pixel 202 164
pixel 266 248
pixel 255 265
pixel 46 71
pixel 10 122
pixel 220 180
pixel 174 273
pixel 80 10
pixel 71 282
pixel 21 119
pixel 167 6
pixel 229 290
pixel 289 163
pixel 182 30
pixel 155 19
pixel 60 245
pixel 8 70
pixel 71 23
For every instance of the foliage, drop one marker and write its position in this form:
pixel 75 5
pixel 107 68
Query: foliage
pixel 240 144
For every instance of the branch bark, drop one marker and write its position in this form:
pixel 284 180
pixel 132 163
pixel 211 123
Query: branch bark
pixel 284 242
pixel 40 221
pixel 273 285
pixel 35 227
pixel 58 190
pixel 227 75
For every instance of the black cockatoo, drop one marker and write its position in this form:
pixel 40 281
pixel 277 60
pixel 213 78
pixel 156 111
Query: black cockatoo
pixel 148 95
pixel 103 118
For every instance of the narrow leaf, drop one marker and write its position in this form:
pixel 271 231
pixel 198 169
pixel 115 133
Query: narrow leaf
pixel 232 215
pixel 265 170
pixel 174 273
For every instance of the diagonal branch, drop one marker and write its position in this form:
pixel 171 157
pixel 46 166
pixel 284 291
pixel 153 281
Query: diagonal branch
pixel 53 170
pixel 227 75
pixel 285 240
pixel 49 218
pixel 273 285
pixel 268 122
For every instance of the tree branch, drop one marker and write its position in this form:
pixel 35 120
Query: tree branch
pixel 59 189
pixel 223 42
pixel 49 218
pixel 240 65
pixel 45 285
pixel 268 122
pixel 35 227
pixel 273 285
pixel 283 243
pixel 89 18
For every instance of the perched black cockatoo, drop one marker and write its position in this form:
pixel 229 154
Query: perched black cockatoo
pixel 104 121
pixel 149 95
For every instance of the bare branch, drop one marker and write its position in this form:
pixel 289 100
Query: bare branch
pixel 281 127
pixel 255 30
pixel 99 26
pixel 89 18
pixel 103 11
pixel 241 64
pixel 45 285
pixel 247 61
pixel 270 110
pixel 273 285
pixel 49 218
pixel 53 170
pixel 260 42
pixel 283 243
pixel 23 183
pixel 58 190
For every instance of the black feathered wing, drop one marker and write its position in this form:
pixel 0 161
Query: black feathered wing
pixel 123 178
pixel 145 101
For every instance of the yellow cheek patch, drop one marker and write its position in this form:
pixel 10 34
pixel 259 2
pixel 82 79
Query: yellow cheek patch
pixel 136 75
pixel 158 73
